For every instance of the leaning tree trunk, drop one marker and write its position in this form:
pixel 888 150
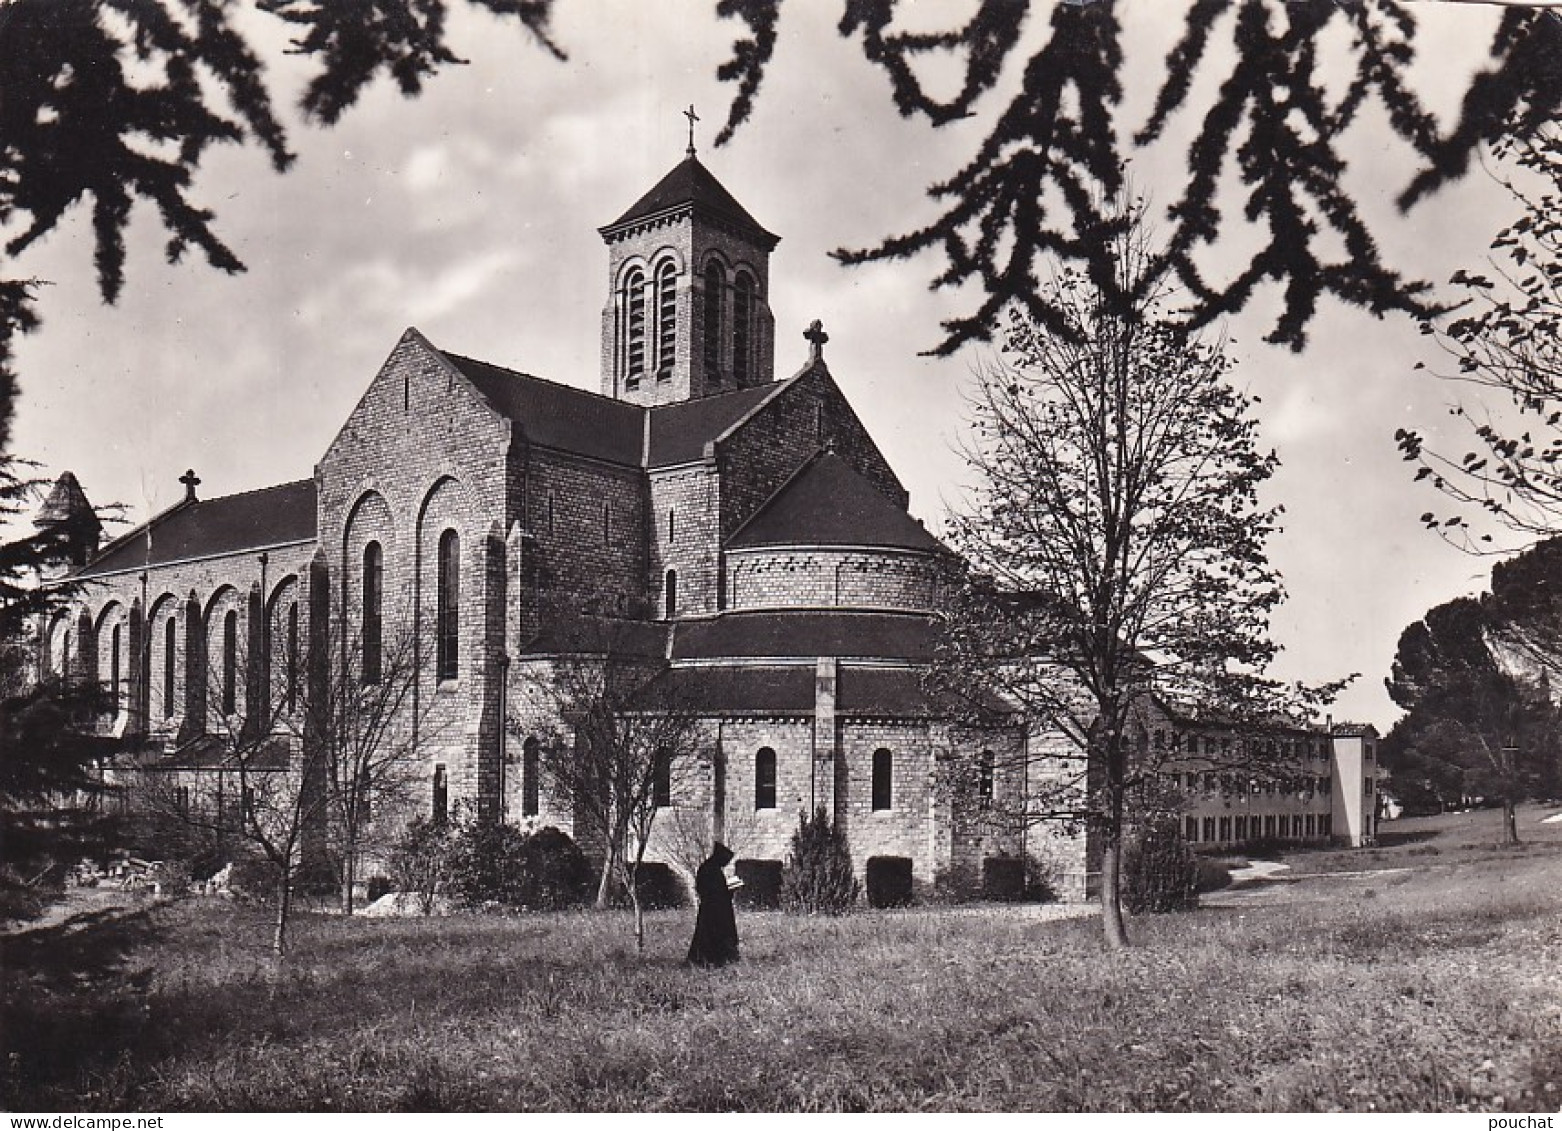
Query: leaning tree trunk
pixel 605 882
pixel 1510 821
pixel 349 876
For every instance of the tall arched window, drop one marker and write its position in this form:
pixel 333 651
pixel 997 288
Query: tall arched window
pixel 441 795
pixel 742 330
pixel 715 285
pixel 662 780
pixel 634 327
pixel 883 778
pixel 448 617
pixel 114 663
pixel 230 661
pixel 292 657
pixel 765 778
pixel 65 656
pixel 531 770
pixel 672 593
pixel 666 318
pixel 170 653
pixel 373 600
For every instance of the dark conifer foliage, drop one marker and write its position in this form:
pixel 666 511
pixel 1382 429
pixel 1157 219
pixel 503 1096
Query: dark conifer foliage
pixel 1275 123
pixel 356 41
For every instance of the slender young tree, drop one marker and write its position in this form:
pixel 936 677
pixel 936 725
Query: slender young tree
pixel 621 746
pixel 1116 541
pixel 302 757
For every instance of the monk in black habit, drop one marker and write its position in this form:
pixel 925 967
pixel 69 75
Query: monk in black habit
pixel 715 927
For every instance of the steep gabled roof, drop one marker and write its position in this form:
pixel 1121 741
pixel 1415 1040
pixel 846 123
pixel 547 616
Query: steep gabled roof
pixel 691 185
pixel 680 432
pixel 806 633
pixel 827 503
pixel 560 416
pixel 271 516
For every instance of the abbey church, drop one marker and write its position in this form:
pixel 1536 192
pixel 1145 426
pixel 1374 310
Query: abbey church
pixel 737 529
pixel 472 531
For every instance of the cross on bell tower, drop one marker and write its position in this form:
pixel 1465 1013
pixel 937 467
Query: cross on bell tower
pixel 693 117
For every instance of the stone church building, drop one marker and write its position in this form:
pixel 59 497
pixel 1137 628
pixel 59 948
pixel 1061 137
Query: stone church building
pixel 737 534
pixel 742 531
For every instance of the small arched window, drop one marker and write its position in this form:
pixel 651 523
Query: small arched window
pixel 883 779
pixel 742 329
pixel 666 318
pixel 672 525
pixel 672 594
pixel 230 661
pixel 448 613
pixel 715 285
pixel 765 778
pixel 373 609
pixel 170 654
pixel 634 327
pixel 531 770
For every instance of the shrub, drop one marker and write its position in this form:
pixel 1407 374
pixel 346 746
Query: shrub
pixel 1159 873
pixel 487 864
pixel 761 888
pixel 420 861
pixel 554 872
pixel 1211 875
pixel 378 886
pixel 818 876
pixel 889 881
pixel 658 886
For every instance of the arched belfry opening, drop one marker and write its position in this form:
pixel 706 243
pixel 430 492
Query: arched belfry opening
pixel 688 309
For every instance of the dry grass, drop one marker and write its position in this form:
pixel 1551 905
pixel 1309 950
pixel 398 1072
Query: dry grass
pixel 1431 989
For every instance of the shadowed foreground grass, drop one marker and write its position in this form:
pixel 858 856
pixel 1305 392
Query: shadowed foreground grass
pixel 1438 988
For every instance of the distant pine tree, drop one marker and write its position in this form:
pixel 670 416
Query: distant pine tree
pixel 818 878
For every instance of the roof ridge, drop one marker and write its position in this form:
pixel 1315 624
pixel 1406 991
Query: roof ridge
pixel 533 377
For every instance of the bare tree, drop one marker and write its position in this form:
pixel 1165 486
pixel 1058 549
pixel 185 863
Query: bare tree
pixel 623 745
pixel 1116 541
pixel 301 748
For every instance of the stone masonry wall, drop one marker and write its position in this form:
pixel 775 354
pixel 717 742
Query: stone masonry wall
pixel 682 535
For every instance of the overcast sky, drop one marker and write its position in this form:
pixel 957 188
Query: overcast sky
pixel 471 213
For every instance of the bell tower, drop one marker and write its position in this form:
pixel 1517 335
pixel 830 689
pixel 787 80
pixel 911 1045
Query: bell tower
pixel 688 309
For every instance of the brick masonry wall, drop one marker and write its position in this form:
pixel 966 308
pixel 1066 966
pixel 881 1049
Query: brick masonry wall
pixel 821 578
pixel 689 495
pixel 580 561
pixel 427 443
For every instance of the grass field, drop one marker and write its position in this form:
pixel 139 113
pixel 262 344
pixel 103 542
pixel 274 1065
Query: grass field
pixel 1433 982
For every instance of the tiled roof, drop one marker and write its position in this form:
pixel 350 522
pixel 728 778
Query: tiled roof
pixel 270 516
pixel 690 184
pixel 860 692
pixel 679 432
pixel 827 503
pixel 1354 730
pixel 597 635
pixel 67 503
pixel 807 633
pixel 560 416
pixel 759 690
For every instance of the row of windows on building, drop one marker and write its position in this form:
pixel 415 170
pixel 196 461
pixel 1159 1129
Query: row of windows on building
pixel 652 346
pixel 1241 829
pixel 1236 785
pixel 881 793
pixel 447 612
pixel 1175 742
